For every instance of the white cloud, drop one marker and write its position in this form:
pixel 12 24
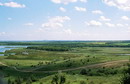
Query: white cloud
pixel 55 22
pixel 13 5
pixel 120 4
pixel 97 12
pixel 110 24
pixel 83 1
pixel 63 1
pixel 9 18
pixel 67 1
pixel 51 25
pixel 125 18
pixel 29 24
pixel 62 9
pixel 80 9
pixel 63 34
pixel 2 33
pixel 93 23
pixel 103 18
pixel 68 31
pixel 126 24
pixel 60 19
pixel 119 25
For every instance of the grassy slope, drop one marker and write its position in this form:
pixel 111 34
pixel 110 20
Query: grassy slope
pixel 76 79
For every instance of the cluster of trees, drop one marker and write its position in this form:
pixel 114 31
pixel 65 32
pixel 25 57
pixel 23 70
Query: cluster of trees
pixel 106 45
pixel 126 78
pixel 58 79
pixel 70 44
pixel 49 48
pixel 99 72
pixel 20 80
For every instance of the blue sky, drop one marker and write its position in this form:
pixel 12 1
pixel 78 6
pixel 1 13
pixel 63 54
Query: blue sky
pixel 64 20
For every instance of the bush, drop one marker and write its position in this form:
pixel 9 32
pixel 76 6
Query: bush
pixel 126 78
pixel 82 82
pixel 57 79
pixel 83 72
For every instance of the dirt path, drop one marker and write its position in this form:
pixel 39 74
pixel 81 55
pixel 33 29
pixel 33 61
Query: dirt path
pixel 2 64
pixel 105 64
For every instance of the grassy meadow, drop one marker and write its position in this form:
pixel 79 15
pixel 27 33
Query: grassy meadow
pixel 65 62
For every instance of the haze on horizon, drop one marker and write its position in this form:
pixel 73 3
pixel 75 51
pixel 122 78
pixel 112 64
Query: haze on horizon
pixel 65 20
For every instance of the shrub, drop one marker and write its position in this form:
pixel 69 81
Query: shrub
pixel 83 72
pixel 82 82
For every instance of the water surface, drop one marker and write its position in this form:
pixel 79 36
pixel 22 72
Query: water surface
pixel 4 48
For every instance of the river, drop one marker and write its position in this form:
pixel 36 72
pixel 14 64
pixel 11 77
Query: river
pixel 4 48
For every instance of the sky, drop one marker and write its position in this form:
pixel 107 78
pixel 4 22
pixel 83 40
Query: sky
pixel 64 20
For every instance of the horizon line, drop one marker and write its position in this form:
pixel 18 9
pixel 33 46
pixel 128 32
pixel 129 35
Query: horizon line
pixel 62 40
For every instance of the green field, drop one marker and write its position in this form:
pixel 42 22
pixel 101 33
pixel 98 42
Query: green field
pixel 68 62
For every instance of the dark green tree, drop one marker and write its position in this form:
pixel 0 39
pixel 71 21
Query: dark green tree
pixel 58 79
pixel 62 79
pixel 83 72
pixel 55 79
